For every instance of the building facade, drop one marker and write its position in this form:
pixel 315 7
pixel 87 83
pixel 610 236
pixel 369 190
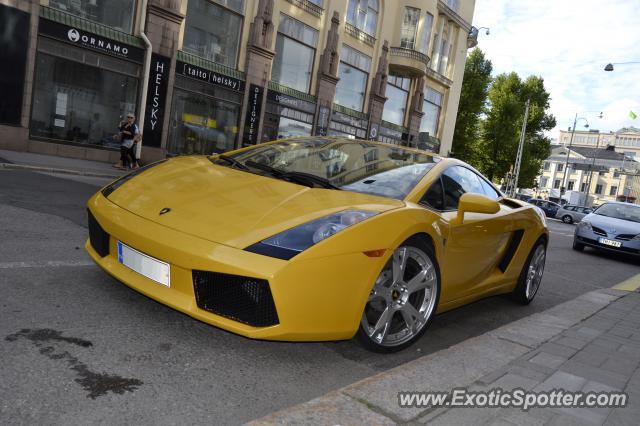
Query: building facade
pixel 207 76
pixel 601 174
pixel 625 140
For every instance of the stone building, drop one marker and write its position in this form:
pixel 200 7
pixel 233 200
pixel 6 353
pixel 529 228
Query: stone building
pixel 208 76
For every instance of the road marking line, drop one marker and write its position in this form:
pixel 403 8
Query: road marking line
pixel 632 284
pixel 47 264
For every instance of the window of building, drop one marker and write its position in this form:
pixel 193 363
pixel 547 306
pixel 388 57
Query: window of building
pixel 427 25
pixel 363 14
pixel 613 190
pixel 560 167
pixel 556 184
pixel 117 14
pixel 295 53
pixel 598 189
pixel 212 31
pixel 431 109
pixel 616 174
pixel 409 28
pixel 571 185
pixel 354 74
pixel 544 181
pixel 453 4
pixel 397 96
pixel 80 103
pixel 583 187
pixel 547 166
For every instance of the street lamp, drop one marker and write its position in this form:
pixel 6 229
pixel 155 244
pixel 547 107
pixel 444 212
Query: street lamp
pixel 609 66
pixel 472 37
pixel 566 163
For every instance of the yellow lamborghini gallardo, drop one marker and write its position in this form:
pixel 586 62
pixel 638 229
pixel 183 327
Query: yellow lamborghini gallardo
pixel 317 238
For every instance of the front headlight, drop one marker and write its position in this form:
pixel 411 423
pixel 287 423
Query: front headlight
pixel 289 243
pixel 585 225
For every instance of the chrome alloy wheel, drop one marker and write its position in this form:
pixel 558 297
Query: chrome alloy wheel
pixel 402 299
pixel 536 269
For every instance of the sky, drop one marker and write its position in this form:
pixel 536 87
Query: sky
pixel 568 43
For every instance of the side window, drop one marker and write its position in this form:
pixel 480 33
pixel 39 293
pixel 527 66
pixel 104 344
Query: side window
pixel 434 196
pixel 456 181
pixel 488 189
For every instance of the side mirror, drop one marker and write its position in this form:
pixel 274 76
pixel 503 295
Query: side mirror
pixel 476 203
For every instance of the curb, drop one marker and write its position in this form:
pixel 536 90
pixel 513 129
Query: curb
pixel 12 166
pixel 374 400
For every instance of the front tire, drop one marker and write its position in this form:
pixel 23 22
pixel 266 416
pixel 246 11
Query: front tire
pixel 567 219
pixel 531 275
pixel 577 246
pixel 403 300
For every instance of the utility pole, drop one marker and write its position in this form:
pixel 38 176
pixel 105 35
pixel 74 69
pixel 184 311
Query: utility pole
pixel 516 172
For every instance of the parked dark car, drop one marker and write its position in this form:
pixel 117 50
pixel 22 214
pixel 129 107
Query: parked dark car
pixel 613 226
pixel 548 207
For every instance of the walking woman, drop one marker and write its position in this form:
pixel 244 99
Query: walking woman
pixel 129 132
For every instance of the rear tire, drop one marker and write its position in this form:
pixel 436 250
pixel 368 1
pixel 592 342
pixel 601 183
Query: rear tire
pixel 403 300
pixel 531 275
pixel 567 219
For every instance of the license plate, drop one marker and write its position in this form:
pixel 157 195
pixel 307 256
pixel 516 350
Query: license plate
pixel 143 264
pixel 611 243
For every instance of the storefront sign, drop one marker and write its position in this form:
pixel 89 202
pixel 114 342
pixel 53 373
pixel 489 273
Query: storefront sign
pixel 323 121
pixel 291 102
pixel 91 41
pixel 252 119
pixel 208 76
pixel 351 121
pixel 156 99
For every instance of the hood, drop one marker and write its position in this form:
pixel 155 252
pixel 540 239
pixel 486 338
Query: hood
pixel 613 226
pixel 230 206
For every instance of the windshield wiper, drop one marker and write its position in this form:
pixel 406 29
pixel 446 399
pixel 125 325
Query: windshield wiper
pixel 307 179
pixel 230 160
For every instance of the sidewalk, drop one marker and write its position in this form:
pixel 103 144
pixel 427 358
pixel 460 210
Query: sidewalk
pixel 54 164
pixel 591 343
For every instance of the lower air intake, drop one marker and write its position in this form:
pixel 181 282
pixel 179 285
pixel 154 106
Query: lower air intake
pixel 242 299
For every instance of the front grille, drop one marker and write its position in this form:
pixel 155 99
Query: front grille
pixel 97 236
pixel 599 231
pixel 625 237
pixel 242 299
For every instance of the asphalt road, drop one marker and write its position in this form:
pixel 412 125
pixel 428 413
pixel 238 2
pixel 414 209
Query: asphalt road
pixel 78 347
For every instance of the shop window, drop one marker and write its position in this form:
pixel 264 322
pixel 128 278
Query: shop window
pixel 117 14
pixel 354 74
pixel 431 109
pixel 397 96
pixel 363 14
pixel 202 124
pixel 212 31
pixel 295 53
pixel 79 103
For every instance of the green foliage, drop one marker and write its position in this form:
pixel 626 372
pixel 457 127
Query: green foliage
pixel 475 85
pixel 490 143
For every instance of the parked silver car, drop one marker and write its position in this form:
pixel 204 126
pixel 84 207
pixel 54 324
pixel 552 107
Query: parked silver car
pixel 570 213
pixel 613 226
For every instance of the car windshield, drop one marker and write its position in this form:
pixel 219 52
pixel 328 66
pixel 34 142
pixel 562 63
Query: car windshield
pixel 359 166
pixel 620 211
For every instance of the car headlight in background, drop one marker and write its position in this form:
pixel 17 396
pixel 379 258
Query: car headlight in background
pixel 584 225
pixel 289 243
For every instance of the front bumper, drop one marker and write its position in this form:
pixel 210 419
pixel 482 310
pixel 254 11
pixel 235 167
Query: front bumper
pixel 315 298
pixel 585 235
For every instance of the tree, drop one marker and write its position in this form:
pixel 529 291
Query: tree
pixel 473 99
pixel 501 128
